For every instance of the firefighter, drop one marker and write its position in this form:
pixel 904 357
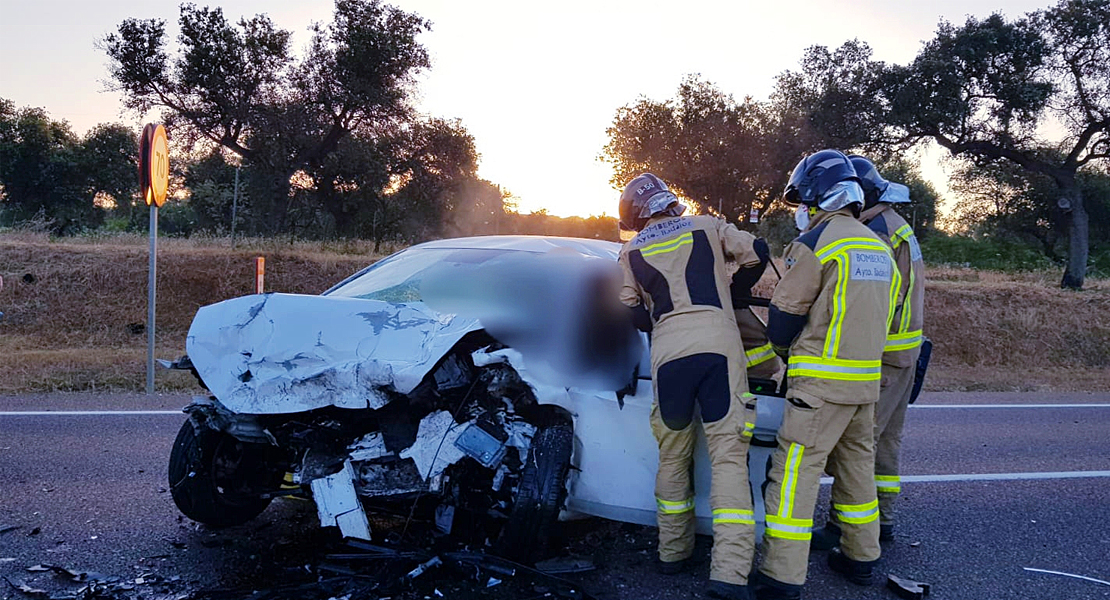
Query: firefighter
pixel 677 287
pixel 829 314
pixel 903 341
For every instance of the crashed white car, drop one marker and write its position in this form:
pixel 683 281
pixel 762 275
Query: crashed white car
pixel 365 395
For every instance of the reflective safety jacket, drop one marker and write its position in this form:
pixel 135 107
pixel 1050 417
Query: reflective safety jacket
pixel 905 328
pixel 833 308
pixel 675 267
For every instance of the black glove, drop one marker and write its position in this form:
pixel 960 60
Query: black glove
pixel 640 318
pixel 745 278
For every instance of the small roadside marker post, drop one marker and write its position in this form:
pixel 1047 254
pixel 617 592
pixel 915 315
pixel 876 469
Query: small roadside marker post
pixel 259 274
pixel 154 177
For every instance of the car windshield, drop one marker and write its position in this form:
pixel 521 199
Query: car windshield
pixel 397 278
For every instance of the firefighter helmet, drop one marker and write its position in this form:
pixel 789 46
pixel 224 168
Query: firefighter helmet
pixel 825 180
pixel 644 197
pixel 875 188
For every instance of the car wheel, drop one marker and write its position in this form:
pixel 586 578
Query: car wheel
pixel 211 474
pixel 540 495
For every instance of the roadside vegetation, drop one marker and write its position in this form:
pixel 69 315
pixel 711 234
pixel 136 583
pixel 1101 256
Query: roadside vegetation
pixel 322 161
pixel 75 311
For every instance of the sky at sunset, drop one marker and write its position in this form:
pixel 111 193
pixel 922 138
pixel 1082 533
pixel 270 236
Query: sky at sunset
pixel 536 84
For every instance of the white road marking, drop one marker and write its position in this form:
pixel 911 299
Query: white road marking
pixel 85 413
pixel 1090 405
pixel 1067 575
pixel 995 476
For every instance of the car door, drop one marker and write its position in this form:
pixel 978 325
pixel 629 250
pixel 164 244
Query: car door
pixel 617 457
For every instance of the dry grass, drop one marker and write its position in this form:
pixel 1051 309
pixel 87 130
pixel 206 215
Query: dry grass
pixel 69 329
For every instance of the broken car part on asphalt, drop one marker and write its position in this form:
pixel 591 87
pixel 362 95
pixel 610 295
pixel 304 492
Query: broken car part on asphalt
pixel 907 588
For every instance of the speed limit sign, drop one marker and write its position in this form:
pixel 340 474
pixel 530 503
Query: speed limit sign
pixel 154 164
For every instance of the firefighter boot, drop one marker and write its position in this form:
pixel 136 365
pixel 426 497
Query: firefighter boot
pixel 858 572
pixel 768 588
pixel 675 567
pixel 886 532
pixel 727 591
pixel 826 538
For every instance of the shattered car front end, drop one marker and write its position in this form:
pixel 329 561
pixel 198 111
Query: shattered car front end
pixel 351 399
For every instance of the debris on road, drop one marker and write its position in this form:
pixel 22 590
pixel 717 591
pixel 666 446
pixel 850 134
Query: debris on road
pixel 363 569
pixel 28 590
pixel 565 564
pixel 7 528
pixel 907 588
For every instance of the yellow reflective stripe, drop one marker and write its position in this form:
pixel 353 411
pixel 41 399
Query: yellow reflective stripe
pixel 760 354
pixel 826 253
pixel 840 293
pixel 838 362
pixel 902 234
pixel 903 341
pixel 888 484
pixel 749 428
pixel 834 368
pixel 895 286
pixel 858 513
pixel 907 305
pixel 790 480
pixel 789 529
pixel 673 508
pixel 668 246
pixel 734 515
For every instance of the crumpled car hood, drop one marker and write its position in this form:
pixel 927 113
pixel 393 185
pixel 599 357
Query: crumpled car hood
pixel 288 353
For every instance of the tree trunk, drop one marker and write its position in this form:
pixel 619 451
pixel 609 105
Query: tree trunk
pixel 1077 239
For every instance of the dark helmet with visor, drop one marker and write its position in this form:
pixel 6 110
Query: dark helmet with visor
pixel 875 188
pixel 873 184
pixel 644 197
pixel 816 175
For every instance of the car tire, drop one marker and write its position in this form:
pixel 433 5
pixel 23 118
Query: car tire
pixel 193 483
pixel 540 495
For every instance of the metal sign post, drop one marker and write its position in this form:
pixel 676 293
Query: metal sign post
pixel 154 177
pixel 151 285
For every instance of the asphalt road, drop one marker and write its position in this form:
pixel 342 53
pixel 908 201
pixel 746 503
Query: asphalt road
pixel 88 492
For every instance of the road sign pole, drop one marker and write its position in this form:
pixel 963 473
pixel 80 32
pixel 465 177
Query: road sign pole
pixel 234 206
pixel 152 283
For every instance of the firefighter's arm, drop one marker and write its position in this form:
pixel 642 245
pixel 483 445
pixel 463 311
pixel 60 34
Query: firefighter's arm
pixel 631 297
pixel 741 246
pixel 751 252
pixel 793 298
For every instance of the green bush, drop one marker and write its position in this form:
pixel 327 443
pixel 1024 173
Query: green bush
pixel 990 253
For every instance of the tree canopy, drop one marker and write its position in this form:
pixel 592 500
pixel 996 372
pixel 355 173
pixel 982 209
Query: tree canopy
pixel 328 141
pixel 990 89
pixel 50 175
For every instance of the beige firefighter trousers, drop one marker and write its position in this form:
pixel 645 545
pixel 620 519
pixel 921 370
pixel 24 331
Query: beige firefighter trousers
pixel 840 434
pixel 890 417
pixel 728 438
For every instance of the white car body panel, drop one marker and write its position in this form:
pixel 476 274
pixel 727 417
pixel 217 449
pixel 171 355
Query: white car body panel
pixel 308 352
